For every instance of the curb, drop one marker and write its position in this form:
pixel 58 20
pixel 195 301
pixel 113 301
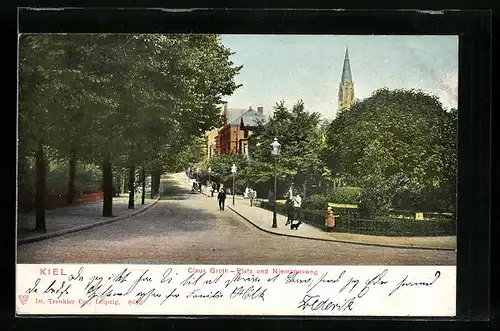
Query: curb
pixel 83 227
pixel 343 241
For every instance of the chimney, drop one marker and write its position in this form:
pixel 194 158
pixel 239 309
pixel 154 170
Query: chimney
pixel 260 111
pixel 249 107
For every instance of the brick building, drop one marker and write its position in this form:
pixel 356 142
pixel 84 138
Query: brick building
pixel 232 137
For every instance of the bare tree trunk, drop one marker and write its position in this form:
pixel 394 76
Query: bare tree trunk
pixel 72 175
pixel 143 179
pixel 156 177
pixel 152 185
pixel 124 182
pixel 107 188
pixel 131 186
pixel 40 190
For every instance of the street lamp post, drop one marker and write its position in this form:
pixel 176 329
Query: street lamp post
pixel 209 181
pixel 209 174
pixel 276 149
pixel 233 171
pixel 198 178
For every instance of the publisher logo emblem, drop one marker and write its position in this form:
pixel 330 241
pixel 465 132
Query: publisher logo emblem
pixel 23 299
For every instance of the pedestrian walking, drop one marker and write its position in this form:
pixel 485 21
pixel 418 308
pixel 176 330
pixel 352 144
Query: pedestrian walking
pixel 214 187
pixel 329 219
pixel 252 196
pixel 289 211
pixel 297 203
pixel 294 217
pixel 222 199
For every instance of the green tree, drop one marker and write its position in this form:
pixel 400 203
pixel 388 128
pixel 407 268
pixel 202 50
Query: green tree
pixel 399 146
pixel 221 169
pixel 42 97
pixel 185 155
pixel 125 100
pixel 299 134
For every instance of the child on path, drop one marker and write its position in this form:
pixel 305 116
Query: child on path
pixel 329 220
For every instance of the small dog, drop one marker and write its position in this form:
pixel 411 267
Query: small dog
pixel 295 225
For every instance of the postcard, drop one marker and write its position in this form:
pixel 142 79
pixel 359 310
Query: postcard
pixel 267 175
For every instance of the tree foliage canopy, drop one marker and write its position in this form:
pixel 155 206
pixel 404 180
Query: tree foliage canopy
pixel 400 146
pixel 121 99
pixel 127 97
pixel 299 134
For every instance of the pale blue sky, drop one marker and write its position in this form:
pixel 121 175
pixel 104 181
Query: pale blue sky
pixel 309 67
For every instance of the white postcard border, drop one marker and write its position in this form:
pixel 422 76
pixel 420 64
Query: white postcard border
pixel 265 290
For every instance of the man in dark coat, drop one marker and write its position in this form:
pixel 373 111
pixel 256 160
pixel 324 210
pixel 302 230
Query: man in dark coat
pixel 222 199
pixel 289 211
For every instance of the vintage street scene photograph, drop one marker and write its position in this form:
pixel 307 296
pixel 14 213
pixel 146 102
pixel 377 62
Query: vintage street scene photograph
pixel 237 149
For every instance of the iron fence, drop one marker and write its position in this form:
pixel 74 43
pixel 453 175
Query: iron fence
pixel 349 221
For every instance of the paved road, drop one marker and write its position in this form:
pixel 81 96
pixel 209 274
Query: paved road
pixel 186 229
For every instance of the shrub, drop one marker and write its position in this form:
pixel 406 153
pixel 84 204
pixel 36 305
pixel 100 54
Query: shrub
pixel 433 216
pixel 280 208
pixel 398 214
pixel 375 201
pixel 315 202
pixel 348 222
pixel 392 227
pixel 347 195
pixel 87 178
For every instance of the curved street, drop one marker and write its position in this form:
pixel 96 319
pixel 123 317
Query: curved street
pixel 185 228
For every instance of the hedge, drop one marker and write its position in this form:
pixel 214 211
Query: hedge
pixel 349 221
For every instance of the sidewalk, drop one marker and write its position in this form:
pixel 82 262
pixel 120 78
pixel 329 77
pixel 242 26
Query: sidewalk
pixel 75 218
pixel 263 219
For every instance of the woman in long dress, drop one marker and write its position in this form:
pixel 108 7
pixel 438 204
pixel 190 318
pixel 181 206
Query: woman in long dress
pixel 329 220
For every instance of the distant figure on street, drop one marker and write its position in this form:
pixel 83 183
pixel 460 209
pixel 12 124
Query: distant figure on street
pixel 289 211
pixel 252 196
pixel 222 199
pixel 214 187
pixel 297 203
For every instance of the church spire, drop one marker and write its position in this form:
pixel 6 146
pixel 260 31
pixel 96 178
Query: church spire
pixel 346 88
pixel 346 71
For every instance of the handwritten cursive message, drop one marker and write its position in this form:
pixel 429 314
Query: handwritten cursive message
pixel 236 290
